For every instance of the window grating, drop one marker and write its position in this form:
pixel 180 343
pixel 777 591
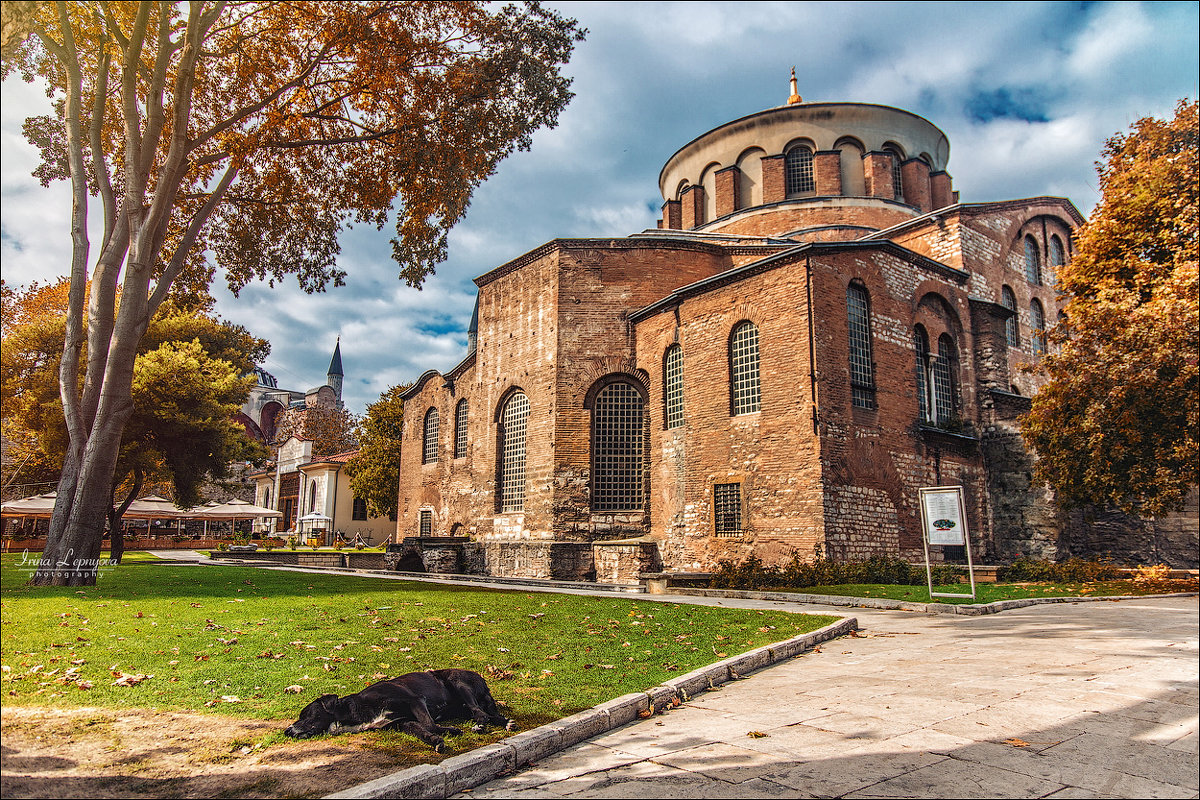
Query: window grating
pixel 944 368
pixel 1057 257
pixel 618 449
pixel 514 424
pixel 673 386
pixel 897 177
pixel 744 386
pixel 1037 321
pixel 921 343
pixel 862 368
pixel 1011 330
pixel 429 452
pixel 798 171
pixel 426 523
pixel 1033 266
pixel 460 429
pixel 727 509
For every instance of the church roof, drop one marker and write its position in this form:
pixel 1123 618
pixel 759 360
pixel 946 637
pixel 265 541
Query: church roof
pixel 335 364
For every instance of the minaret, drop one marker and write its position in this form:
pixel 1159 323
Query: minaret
pixel 333 377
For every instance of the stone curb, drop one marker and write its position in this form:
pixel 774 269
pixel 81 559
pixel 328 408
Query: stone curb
pixel 885 604
pixel 483 764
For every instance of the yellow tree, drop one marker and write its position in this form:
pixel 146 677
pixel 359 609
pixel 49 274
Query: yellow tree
pixel 249 135
pixel 1119 421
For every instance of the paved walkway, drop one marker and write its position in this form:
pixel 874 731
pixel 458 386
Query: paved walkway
pixel 1091 699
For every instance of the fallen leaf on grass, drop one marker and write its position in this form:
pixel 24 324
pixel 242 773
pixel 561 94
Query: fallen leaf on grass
pixel 123 679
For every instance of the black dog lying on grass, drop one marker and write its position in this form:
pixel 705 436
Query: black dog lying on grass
pixel 411 703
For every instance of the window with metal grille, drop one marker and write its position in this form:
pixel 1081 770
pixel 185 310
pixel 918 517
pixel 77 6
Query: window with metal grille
pixel 359 512
pixel 1037 321
pixel 862 367
pixel 673 386
pixel 426 523
pixel 744 389
pixel 897 175
pixel 618 449
pixel 798 171
pixel 460 429
pixel 1033 264
pixel 945 373
pixel 1012 331
pixel 429 451
pixel 921 344
pixel 514 422
pixel 727 509
pixel 1057 257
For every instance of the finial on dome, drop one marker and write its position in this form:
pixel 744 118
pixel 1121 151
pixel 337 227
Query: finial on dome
pixel 795 98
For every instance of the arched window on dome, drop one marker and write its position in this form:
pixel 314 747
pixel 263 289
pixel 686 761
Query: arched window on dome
pixel 1037 321
pixel 618 449
pixel 673 387
pixel 1012 330
pixel 1033 263
pixel 798 171
pixel 850 153
pixel 862 365
pixel 514 426
pixel 897 174
pixel 429 448
pixel 744 387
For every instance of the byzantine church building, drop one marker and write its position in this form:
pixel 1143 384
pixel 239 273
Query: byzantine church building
pixel 817 329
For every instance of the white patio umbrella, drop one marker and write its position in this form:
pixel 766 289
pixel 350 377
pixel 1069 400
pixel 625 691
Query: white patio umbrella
pixel 152 507
pixel 38 505
pixel 236 509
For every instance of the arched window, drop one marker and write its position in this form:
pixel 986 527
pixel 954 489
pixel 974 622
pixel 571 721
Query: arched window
pixel 429 450
pixel 1033 265
pixel 460 429
pixel 921 345
pixel 1012 330
pixel 1057 257
pixel 945 380
pixel 673 387
pixel 744 389
pixel 312 497
pixel 798 171
pixel 1037 321
pixel 514 422
pixel 618 449
pixel 897 173
pixel 851 158
pixel 266 499
pixel 862 366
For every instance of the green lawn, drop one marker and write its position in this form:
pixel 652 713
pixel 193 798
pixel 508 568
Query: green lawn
pixel 231 640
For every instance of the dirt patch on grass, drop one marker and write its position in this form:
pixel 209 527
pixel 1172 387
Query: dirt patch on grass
pixel 99 753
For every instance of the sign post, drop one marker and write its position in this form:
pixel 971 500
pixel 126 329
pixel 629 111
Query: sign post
pixel 944 522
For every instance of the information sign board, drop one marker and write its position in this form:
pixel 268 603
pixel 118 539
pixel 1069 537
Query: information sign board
pixel 944 523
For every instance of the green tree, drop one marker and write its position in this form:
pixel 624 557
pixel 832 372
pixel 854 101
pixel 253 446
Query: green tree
pixel 375 471
pixel 330 429
pixel 254 133
pixel 1117 423
pixel 192 376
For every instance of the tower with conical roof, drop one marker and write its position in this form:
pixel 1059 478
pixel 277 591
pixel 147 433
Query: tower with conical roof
pixel 334 375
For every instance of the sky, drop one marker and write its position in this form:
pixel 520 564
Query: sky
pixel 1026 92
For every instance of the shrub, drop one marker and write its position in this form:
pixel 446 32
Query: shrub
pixel 798 573
pixel 1073 570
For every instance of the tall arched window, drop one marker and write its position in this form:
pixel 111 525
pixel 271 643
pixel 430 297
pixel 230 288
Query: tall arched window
pixel 798 171
pixel 514 422
pixel 618 449
pixel 1033 264
pixel 1037 321
pixel 312 497
pixel 921 345
pixel 1012 330
pixel 460 429
pixel 897 172
pixel 429 449
pixel 1057 257
pixel 862 366
pixel 744 389
pixel 673 386
pixel 945 380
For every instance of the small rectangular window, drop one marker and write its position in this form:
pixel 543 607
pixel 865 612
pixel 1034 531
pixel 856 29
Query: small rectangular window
pixel 360 510
pixel 727 509
pixel 426 523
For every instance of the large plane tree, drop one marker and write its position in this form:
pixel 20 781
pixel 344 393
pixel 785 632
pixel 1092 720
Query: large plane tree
pixel 245 137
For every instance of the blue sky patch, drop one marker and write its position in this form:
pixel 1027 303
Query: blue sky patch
pixel 1005 103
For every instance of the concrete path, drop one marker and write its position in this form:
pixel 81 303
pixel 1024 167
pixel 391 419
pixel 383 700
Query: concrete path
pixel 1091 699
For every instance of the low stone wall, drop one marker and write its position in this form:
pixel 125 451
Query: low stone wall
pixel 564 561
pixel 625 561
pixel 308 558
